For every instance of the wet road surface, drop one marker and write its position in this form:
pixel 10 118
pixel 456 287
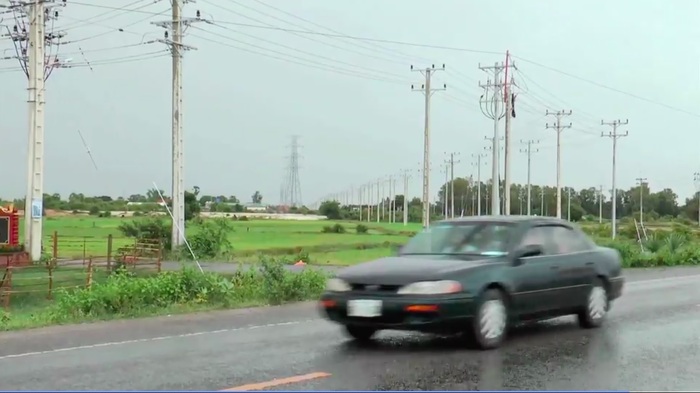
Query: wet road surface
pixel 651 342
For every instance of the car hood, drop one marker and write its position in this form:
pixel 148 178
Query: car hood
pixel 404 270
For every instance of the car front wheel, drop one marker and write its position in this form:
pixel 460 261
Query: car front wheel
pixel 360 333
pixel 596 309
pixel 490 323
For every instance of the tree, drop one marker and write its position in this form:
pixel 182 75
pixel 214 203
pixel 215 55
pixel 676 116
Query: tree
pixel 257 197
pixel 330 209
pixel 192 207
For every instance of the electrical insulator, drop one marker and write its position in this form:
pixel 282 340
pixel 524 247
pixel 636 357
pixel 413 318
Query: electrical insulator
pixel 166 35
pixel 199 14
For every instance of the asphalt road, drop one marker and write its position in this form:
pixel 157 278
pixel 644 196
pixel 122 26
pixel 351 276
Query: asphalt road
pixel 651 342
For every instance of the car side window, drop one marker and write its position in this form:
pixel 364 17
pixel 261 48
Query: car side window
pixel 567 240
pixel 538 236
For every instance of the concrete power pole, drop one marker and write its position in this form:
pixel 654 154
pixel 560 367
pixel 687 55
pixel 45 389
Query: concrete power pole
pixel 568 203
pixel 452 181
pixel 641 181
pixel 558 127
pixel 614 135
pixel 428 92
pixel 491 108
pixel 174 40
pixel 478 163
pixel 37 64
pixel 406 176
pixel 696 180
pixel 600 205
pixel 528 150
pixel 509 100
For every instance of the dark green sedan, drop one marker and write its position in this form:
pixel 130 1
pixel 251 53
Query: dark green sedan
pixel 477 276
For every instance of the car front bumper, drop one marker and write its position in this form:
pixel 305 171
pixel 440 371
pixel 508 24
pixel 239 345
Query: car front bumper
pixel 616 285
pixel 447 313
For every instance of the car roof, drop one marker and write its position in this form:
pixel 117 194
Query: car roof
pixel 533 220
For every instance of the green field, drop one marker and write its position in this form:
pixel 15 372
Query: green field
pixel 85 236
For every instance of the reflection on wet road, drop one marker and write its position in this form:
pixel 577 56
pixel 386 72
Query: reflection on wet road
pixel 651 341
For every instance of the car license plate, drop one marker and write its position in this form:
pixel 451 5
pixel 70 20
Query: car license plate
pixel 364 308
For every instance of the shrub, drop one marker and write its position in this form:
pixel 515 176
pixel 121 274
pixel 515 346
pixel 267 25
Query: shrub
pixel 211 240
pixel 148 229
pixel 94 211
pixel 124 295
pixel 361 228
pixel 337 228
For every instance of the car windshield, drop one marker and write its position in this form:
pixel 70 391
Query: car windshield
pixel 470 238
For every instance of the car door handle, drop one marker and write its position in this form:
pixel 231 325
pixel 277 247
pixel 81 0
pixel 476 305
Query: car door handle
pixel 589 263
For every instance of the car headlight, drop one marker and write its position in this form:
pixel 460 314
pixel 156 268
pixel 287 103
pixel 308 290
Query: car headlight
pixel 431 288
pixel 337 285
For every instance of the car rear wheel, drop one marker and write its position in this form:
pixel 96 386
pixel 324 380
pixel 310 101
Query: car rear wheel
pixel 490 323
pixel 360 333
pixel 597 306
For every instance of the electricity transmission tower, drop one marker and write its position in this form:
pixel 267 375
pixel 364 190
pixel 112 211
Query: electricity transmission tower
pixel 490 104
pixel 558 127
pixel 36 51
pixel 614 135
pixel 428 92
pixel 173 38
pixel 529 150
pixel 291 195
pixel 641 181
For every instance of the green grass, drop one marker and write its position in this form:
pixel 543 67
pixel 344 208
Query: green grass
pixel 85 236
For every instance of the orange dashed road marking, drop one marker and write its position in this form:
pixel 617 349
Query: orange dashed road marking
pixel 277 382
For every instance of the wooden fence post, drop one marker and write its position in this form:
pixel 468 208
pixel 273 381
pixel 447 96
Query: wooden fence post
pixel 88 283
pixel 49 266
pixel 109 253
pixel 7 285
pixel 54 245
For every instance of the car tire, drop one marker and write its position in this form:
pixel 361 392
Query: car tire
pixel 360 333
pixel 597 306
pixel 490 323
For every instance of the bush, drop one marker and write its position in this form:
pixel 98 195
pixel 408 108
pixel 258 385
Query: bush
pixel 211 240
pixel 337 228
pixel 148 229
pixel 94 211
pixel 361 228
pixel 124 295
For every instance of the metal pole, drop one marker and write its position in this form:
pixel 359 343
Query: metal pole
pixel 405 198
pixel 641 181
pixel 568 202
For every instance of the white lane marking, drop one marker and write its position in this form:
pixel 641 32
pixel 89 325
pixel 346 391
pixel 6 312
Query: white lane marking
pixel 142 340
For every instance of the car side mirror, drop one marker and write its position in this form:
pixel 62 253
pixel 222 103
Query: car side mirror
pixel 531 250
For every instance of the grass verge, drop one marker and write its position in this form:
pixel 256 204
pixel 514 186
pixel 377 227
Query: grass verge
pixel 126 295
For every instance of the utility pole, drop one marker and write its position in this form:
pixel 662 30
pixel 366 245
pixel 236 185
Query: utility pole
pixel 558 127
pixel 491 108
pixel 568 203
pixel 37 63
pixel 452 181
pixel 406 176
pixel 176 26
pixel 528 150
pixel 600 205
pixel 509 101
pixel 369 202
pixel 641 181
pixel 379 197
pixel 477 163
pixel 428 92
pixel 542 193
pixel 696 179
pixel 444 196
pixel 614 135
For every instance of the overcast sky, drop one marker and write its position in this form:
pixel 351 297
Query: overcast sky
pixel 350 100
